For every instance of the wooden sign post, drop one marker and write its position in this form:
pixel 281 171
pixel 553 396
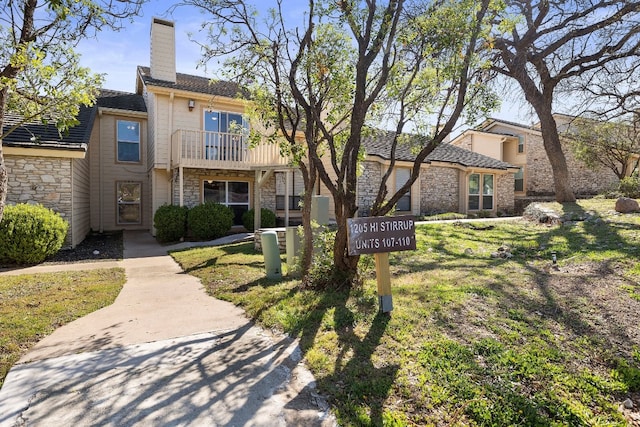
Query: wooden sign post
pixel 379 236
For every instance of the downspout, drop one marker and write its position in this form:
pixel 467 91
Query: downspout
pixel 101 184
pixel 171 96
pixel 170 136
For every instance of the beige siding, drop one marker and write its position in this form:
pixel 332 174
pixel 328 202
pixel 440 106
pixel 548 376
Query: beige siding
pixel 490 147
pixel 106 172
pixel 163 50
pixel 81 191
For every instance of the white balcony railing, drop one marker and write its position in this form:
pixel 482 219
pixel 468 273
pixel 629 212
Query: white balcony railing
pixel 219 150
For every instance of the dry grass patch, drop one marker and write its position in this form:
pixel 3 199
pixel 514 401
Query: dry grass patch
pixel 34 305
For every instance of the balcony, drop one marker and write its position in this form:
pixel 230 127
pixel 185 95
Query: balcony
pixel 219 150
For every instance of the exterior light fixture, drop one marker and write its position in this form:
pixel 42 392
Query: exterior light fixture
pixel 191 104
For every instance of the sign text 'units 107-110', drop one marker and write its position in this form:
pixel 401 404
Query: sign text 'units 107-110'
pixel 381 234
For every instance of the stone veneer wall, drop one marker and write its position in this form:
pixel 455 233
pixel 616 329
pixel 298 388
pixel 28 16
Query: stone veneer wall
pixel 539 176
pixel 368 185
pixel 505 197
pixel 439 190
pixel 43 180
pixel 268 193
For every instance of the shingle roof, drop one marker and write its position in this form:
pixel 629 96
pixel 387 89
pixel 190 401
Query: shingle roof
pixel 380 145
pixel 485 124
pixel 38 135
pixel 196 84
pixel 121 100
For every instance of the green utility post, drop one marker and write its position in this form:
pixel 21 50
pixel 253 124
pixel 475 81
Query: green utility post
pixel 271 252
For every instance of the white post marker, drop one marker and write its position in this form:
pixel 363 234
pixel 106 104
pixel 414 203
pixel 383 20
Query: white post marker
pixel 379 236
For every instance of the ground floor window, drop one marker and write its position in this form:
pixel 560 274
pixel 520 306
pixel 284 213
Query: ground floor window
pixel 480 192
pixel 519 180
pixel 129 202
pixel 296 189
pixel 402 176
pixel 234 194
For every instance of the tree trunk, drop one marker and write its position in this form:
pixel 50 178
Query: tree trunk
pixel 553 147
pixel 4 174
pixel 309 177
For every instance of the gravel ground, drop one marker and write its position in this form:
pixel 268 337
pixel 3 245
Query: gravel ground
pixel 95 247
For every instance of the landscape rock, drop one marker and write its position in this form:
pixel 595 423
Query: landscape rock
pixel 628 404
pixel 535 212
pixel 627 205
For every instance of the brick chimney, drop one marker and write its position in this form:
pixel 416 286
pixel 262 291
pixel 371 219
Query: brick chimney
pixel 163 50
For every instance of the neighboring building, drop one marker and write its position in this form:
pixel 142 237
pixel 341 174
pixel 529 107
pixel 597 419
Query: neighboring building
pixel 522 146
pixel 53 170
pixel 452 179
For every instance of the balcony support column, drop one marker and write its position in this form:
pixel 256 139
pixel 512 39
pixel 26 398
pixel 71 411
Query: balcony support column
pixel 181 185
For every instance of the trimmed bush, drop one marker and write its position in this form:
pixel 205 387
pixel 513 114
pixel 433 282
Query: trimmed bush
pixel 30 233
pixel 209 220
pixel 170 222
pixel 267 219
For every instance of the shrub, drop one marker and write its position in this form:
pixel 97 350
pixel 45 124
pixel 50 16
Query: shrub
pixel 209 220
pixel 30 233
pixel 170 222
pixel 267 219
pixel 630 187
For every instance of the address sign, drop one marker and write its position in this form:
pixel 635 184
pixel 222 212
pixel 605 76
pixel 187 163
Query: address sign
pixel 381 234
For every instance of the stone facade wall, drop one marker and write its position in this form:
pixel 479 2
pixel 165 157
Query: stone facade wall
pixel 368 185
pixel 539 176
pixel 439 190
pixel 268 193
pixel 505 196
pixel 41 180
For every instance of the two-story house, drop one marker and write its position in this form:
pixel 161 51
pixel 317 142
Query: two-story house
pixel 522 146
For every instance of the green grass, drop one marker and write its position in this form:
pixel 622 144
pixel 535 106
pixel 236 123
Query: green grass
pixel 32 306
pixel 473 340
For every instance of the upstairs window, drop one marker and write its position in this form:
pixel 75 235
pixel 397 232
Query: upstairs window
pixel 520 144
pixel 128 141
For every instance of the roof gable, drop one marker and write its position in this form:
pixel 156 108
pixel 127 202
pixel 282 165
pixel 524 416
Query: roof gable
pixel 196 84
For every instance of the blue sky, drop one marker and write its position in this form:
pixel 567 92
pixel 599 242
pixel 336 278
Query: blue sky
pixel 117 54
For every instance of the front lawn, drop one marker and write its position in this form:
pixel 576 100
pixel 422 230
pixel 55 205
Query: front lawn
pixel 34 305
pixel 486 329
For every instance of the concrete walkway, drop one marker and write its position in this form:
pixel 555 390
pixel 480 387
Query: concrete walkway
pixel 163 354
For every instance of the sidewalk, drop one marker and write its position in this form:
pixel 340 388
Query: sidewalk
pixel 164 353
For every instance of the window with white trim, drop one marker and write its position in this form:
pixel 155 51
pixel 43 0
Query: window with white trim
pixel 234 194
pixel 481 188
pixel 128 141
